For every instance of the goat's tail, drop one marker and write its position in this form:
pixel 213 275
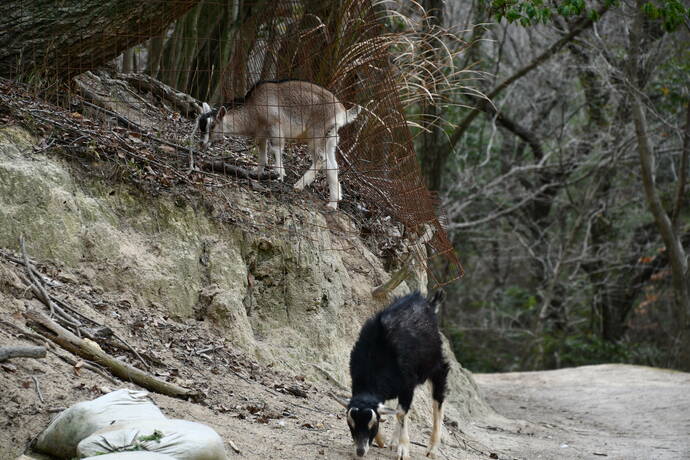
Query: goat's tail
pixel 349 115
pixel 437 299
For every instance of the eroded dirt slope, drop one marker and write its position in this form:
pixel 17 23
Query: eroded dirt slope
pixel 264 412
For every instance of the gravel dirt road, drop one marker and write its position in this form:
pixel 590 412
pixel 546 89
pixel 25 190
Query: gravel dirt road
pixel 592 412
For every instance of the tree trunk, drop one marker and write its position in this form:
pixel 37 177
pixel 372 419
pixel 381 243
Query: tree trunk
pixel 677 258
pixel 676 253
pixel 127 61
pixel 155 52
pixel 40 37
pixel 188 48
pixel 224 49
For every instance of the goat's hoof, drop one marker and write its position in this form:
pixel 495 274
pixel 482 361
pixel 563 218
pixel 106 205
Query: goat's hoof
pixel 299 186
pixel 333 205
pixel 403 452
pixel 431 453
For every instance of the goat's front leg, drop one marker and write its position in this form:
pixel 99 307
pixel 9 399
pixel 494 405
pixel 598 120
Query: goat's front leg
pixel 378 439
pixel 276 145
pixel 262 144
pixel 403 436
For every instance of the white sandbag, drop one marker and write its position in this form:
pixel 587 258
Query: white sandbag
pixel 178 438
pixel 72 425
pixel 141 455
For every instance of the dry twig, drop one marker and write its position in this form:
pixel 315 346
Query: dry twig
pixel 42 294
pixel 86 365
pixel 56 305
pixel 222 167
pixel 38 389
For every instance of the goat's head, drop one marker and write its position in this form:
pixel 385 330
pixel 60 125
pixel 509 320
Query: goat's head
pixel 363 417
pixel 210 124
pixel 216 128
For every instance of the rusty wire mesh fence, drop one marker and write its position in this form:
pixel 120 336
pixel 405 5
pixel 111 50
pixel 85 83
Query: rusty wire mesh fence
pixel 141 108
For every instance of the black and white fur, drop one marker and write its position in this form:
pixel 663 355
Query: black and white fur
pixel 398 349
pixel 275 111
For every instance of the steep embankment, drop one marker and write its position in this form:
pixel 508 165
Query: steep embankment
pixel 241 312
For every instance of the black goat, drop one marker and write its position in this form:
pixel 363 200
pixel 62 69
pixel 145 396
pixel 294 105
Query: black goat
pixel 398 349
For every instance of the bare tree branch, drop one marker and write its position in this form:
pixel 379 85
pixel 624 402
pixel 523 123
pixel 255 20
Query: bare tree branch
pixel 504 212
pixel 514 127
pixel 577 29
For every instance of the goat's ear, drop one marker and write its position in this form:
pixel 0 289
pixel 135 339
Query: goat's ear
pixel 221 113
pixel 205 108
pixel 340 400
pixel 384 410
pixel 437 299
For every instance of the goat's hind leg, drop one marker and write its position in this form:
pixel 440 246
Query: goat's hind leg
pixel 262 145
pixel 316 146
pixel 438 390
pixel 335 193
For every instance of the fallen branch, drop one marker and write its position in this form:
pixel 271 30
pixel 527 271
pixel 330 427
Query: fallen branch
pixel 106 330
pixel 400 275
pixel 234 447
pixel 54 410
pixel 101 332
pixel 88 349
pixel 185 103
pixel 87 93
pixel 22 352
pixel 222 167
